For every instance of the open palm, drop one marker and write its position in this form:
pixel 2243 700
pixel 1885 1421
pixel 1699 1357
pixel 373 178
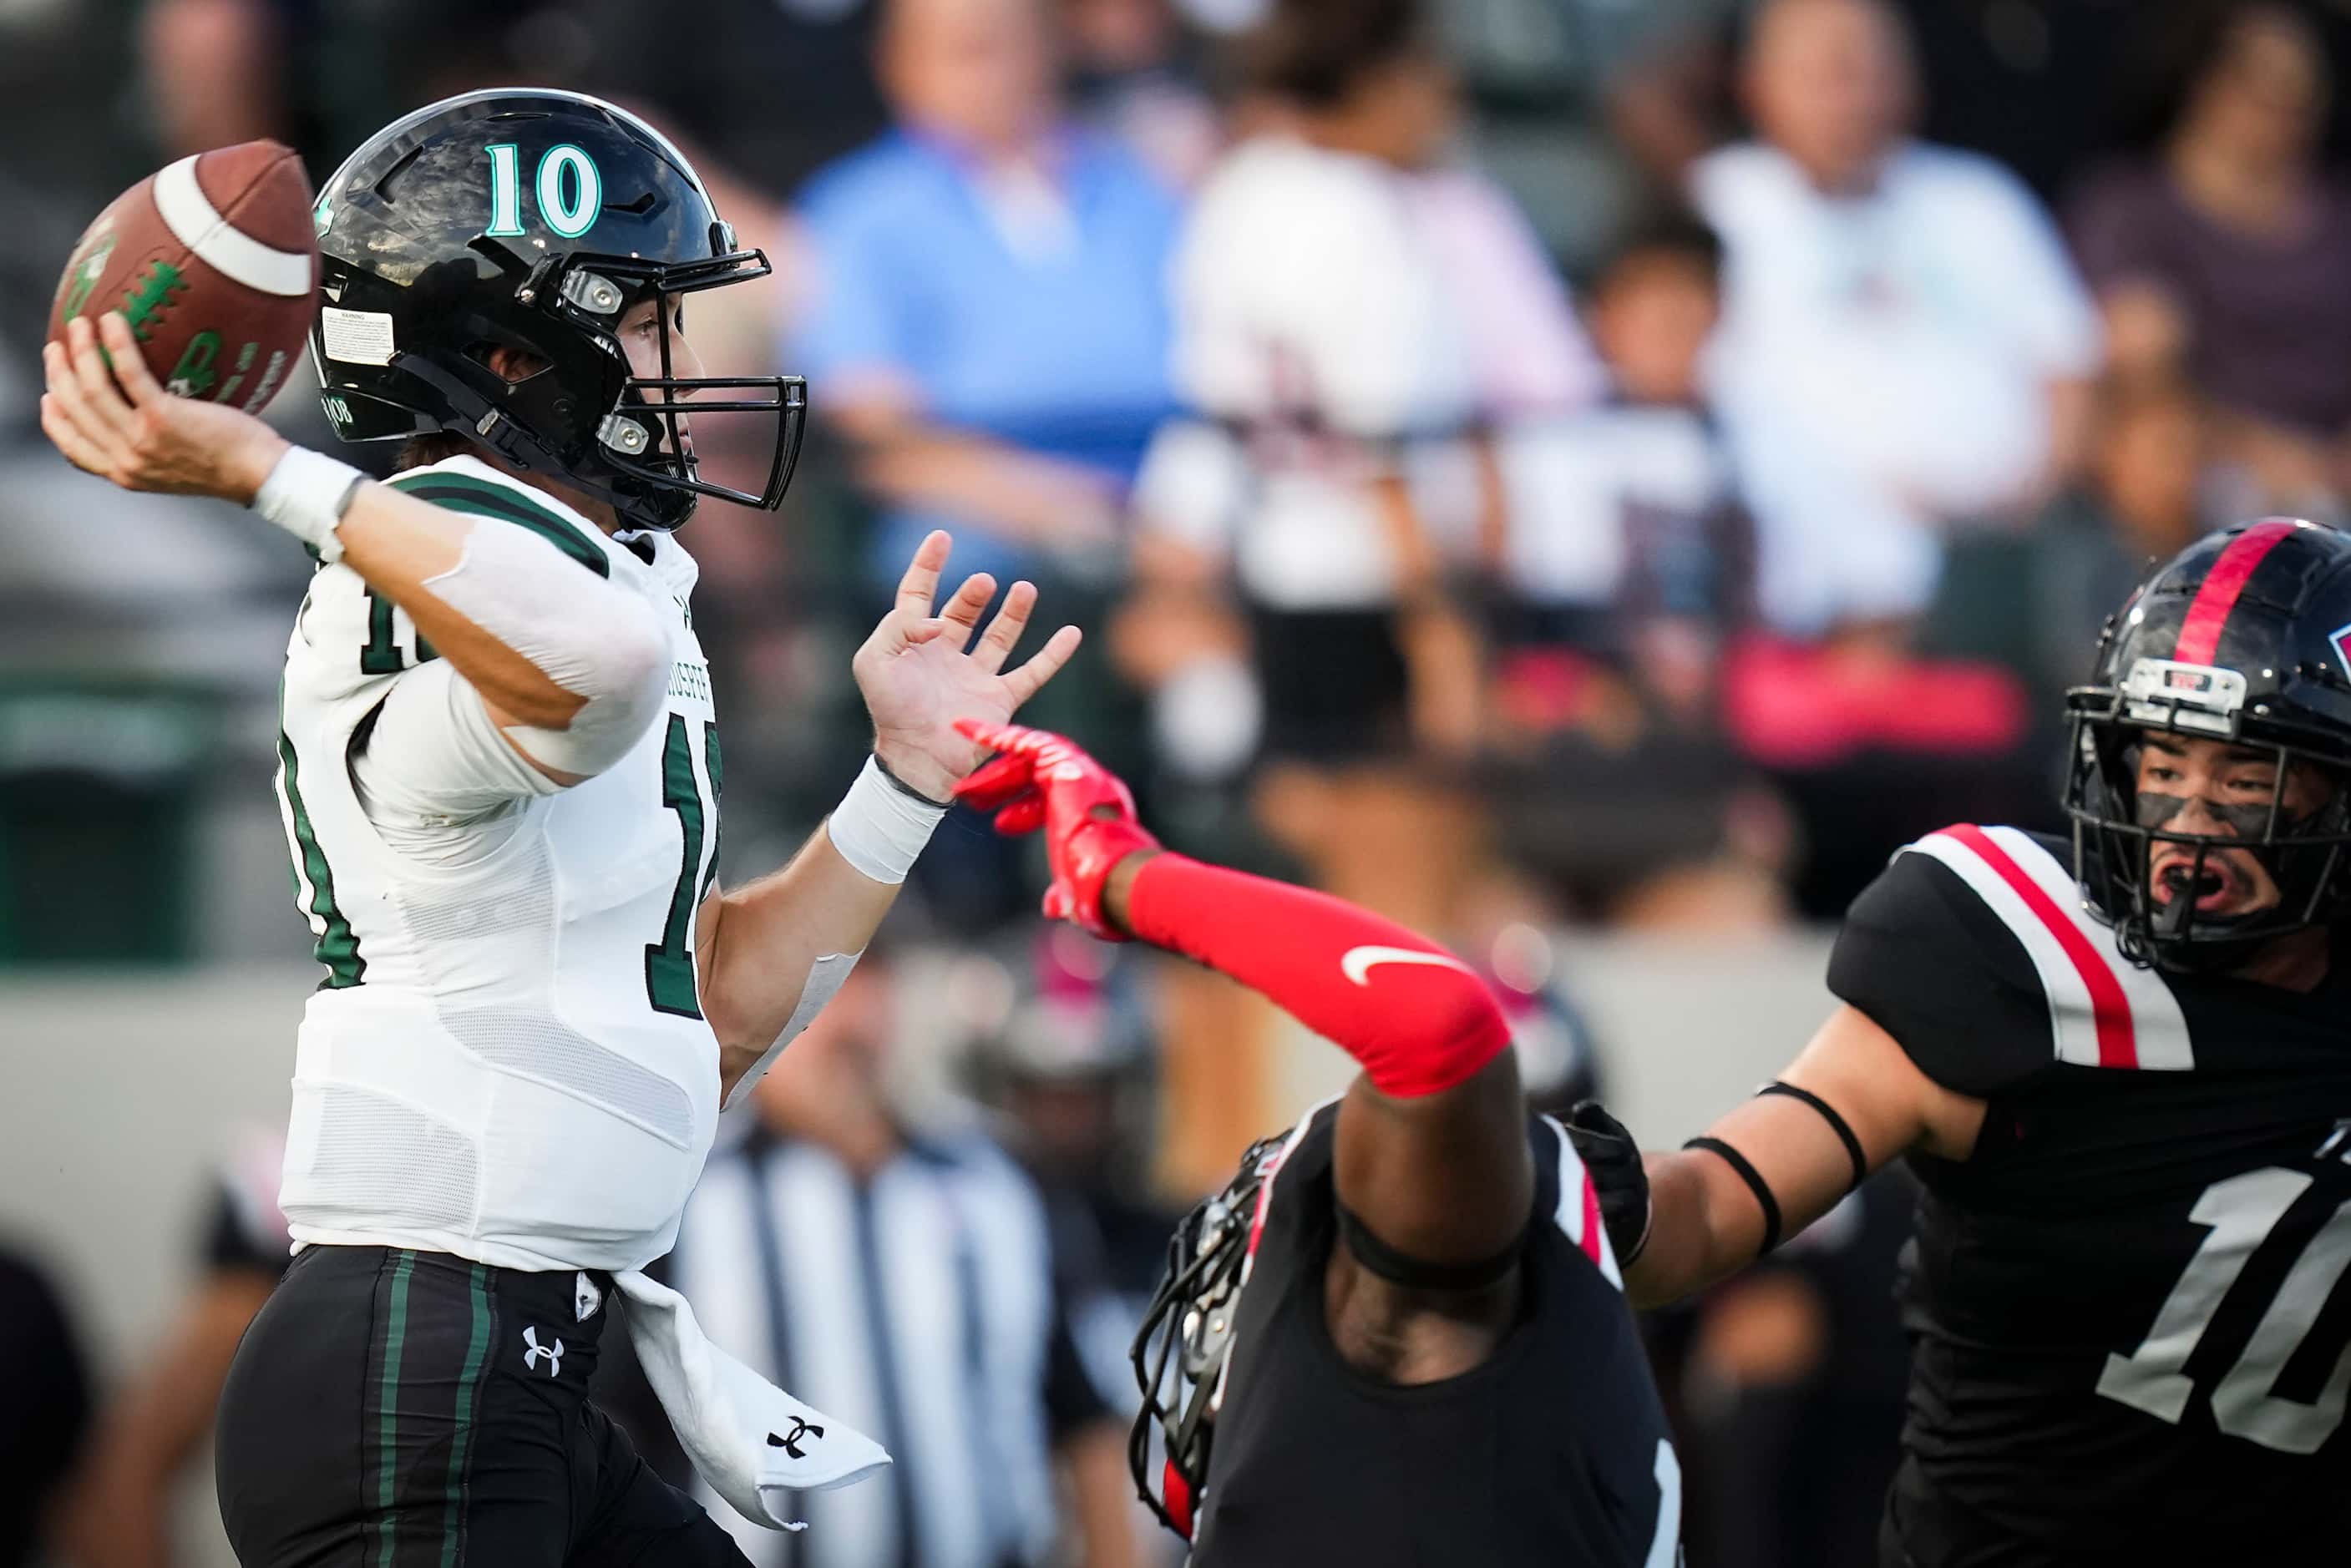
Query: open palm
pixel 918 676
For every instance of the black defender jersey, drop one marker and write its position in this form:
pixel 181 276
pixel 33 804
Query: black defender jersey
pixel 1553 1453
pixel 2127 1308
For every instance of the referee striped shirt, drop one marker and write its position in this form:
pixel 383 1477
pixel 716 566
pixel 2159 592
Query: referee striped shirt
pixel 918 1304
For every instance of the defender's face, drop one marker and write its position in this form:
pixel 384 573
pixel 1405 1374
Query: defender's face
pixel 2216 789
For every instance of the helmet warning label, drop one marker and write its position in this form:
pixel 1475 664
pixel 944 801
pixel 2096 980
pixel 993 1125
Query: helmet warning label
pixel 355 337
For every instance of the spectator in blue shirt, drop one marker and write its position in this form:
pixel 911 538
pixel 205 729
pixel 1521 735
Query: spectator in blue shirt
pixel 988 327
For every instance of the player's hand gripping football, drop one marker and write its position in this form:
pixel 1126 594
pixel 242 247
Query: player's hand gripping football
pixel 122 426
pixel 1044 781
pixel 917 678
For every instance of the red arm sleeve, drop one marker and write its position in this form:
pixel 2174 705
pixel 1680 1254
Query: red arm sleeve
pixel 1412 1013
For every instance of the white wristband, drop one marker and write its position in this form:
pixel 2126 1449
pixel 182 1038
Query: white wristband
pixel 879 828
pixel 307 494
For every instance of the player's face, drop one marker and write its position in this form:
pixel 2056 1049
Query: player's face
pixel 2214 789
pixel 641 339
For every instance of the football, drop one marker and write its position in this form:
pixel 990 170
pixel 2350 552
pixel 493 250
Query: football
pixel 212 261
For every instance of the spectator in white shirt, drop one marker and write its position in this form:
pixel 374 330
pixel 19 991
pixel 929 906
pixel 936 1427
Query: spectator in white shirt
pixel 1350 318
pixel 1905 348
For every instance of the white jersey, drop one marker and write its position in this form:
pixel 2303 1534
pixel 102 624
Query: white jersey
pixel 1331 305
pixel 507 1060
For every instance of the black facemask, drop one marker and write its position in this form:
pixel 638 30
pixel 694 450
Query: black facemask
pixel 634 452
pixel 2303 856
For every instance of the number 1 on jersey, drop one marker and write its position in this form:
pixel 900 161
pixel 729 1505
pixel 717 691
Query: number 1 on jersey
pixel 669 963
pixel 2241 1212
pixel 382 653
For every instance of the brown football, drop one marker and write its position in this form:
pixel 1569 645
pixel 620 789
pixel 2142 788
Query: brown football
pixel 212 261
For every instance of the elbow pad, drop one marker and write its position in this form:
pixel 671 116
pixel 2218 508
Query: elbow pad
pixel 596 639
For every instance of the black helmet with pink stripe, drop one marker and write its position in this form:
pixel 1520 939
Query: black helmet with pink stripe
pixel 2243 638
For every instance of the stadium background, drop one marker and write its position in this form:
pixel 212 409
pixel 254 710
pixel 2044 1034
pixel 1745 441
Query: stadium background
pixel 1663 792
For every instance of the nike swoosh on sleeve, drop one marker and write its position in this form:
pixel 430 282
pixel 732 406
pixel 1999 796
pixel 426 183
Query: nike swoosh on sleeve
pixel 1357 964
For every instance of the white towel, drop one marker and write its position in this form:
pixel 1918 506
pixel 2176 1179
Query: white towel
pixel 753 1442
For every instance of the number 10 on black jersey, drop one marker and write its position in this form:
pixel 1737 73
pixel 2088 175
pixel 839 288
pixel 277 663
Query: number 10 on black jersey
pixel 2241 1213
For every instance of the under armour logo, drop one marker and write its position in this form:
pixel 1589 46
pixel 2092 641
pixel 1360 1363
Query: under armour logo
pixel 790 1441
pixel 533 1350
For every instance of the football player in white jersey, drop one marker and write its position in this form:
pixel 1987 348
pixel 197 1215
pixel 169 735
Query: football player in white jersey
pixel 499 772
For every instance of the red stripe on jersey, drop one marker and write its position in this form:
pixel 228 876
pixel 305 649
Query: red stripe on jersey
pixel 2199 634
pixel 2109 1007
pixel 1590 1217
pixel 1264 1202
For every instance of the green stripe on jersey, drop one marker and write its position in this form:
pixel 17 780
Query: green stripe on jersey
pixel 338 946
pixel 387 1472
pixel 669 965
pixel 461 493
pixel 711 765
pixel 477 1349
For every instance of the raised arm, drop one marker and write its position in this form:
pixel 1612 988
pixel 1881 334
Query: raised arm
pixel 1432 1150
pixel 772 952
pixel 1943 1008
pixel 568 666
pixel 1432 1158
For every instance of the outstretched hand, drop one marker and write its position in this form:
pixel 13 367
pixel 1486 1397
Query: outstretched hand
pixel 918 679
pixel 1043 780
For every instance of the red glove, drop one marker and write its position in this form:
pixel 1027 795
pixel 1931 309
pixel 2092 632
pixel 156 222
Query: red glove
pixel 1088 814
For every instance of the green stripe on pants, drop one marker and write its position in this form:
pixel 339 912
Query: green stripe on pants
pixel 477 1361
pixel 395 1335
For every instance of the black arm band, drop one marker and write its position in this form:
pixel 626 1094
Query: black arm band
pixel 1416 1274
pixel 1747 1173
pixel 1836 1125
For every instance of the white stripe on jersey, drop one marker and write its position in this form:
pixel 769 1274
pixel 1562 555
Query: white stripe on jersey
pixel 1577 1204
pixel 2158 1027
pixel 1665 1539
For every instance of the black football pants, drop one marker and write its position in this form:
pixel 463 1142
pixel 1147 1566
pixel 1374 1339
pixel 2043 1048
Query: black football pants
pixel 400 1409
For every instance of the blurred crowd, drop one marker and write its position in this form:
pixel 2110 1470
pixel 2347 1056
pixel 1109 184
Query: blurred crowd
pixel 1518 463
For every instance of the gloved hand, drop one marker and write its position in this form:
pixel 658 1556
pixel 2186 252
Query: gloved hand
pixel 1613 1159
pixel 1044 781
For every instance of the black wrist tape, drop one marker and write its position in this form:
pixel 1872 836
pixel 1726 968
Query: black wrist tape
pixel 902 787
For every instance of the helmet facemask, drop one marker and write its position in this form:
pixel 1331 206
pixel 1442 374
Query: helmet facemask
pixel 1184 1344
pixel 2119 830
pixel 586 417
